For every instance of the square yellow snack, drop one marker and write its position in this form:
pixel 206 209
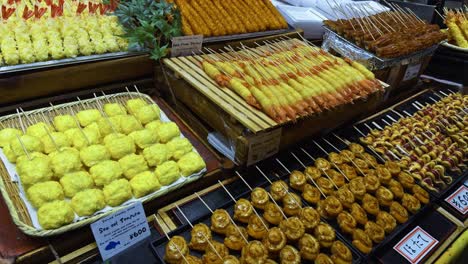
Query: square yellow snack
pixel 154 125
pixel 129 123
pixel 156 154
pixel 64 161
pixel 64 122
pixel 88 202
pixel 105 172
pixel 84 137
pixel 88 116
pixel 168 172
pixel 31 156
pixel 120 146
pixel 8 134
pixel 144 138
pixel 168 131
pixel 75 182
pixel 191 163
pixel 117 192
pixel 113 109
pixel 44 192
pixel 132 165
pixel 55 214
pixel 35 170
pixel 179 147
pixel 39 130
pixel 148 113
pixel 94 154
pixel 134 104
pixel 30 143
pixel 60 140
pixel 144 183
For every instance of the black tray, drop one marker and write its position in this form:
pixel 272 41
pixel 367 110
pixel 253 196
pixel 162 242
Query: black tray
pixel 447 206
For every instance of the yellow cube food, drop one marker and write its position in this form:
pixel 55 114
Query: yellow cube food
pixel 144 138
pixel 134 104
pixel 117 192
pixel 35 170
pixel 191 163
pixel 132 165
pixel 168 172
pixel 129 123
pixel 148 113
pixel 64 122
pixel 120 146
pixel 10 155
pixel 88 202
pixel 156 154
pixel 60 140
pixel 75 182
pixel 88 116
pixel 30 143
pixel 168 131
pixel 7 135
pixel 179 147
pixel 39 130
pixel 115 120
pixel 94 154
pixel 44 192
pixel 94 129
pixel 113 109
pixel 55 214
pixel 65 161
pixel 31 155
pixel 81 138
pixel 105 172
pixel 154 125
pixel 144 183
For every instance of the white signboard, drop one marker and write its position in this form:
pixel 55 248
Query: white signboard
pixel 416 245
pixel 459 199
pixel 186 45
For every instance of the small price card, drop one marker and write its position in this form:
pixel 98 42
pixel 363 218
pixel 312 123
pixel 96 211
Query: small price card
pixel 459 199
pixel 120 230
pixel 263 145
pixel 182 46
pixel 416 245
pixel 466 182
pixel 411 71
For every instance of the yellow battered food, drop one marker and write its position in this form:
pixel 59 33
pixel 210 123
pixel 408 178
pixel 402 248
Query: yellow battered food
pixel 119 145
pixel 10 155
pixel 190 163
pixel 105 126
pixel 44 192
pixel 133 105
pixel 64 122
pixel 113 109
pixel 30 143
pixel 144 183
pixel 168 172
pixel 39 130
pixel 60 140
pixel 144 138
pixel 117 192
pixel 179 147
pixel 7 135
pixel 132 165
pixel 88 202
pixel 88 116
pixel 65 161
pixel 148 113
pixel 34 171
pixel 128 124
pixel 154 125
pixel 168 131
pixel 55 214
pixel 156 154
pixel 75 182
pixel 82 138
pixel 20 159
pixel 94 154
pixel 105 172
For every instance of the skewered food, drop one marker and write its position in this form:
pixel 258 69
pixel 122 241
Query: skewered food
pixel 117 192
pixel 325 234
pixel 372 183
pixel 346 222
pixel 214 251
pixel 7 135
pixel 406 179
pixel 144 183
pixel 65 161
pixel 386 221
pixel 39 130
pixel 309 218
pixel 393 167
pixel 384 196
pixel 345 196
pixel 275 240
pixel 168 172
pixel 105 172
pixel 178 147
pixel 168 131
pixel 272 213
pixel 325 185
pixel 362 241
pixel 374 231
pixel 323 259
pixel 292 228
pixel 120 146
pixel 336 177
pixel 330 207
pixel 290 255
pixel 348 170
pixel 132 164
pixel 88 202
pixel 311 194
pixel 243 210
pixel 370 204
pixel 230 259
pixel 297 180
pixel 421 194
pixel 55 141
pixel 396 188
pixel 153 125
pixel 129 124
pixel 148 113
pixel 144 138
pixel 235 237
pixel 30 143
pixel 200 235
pixel 88 116
pixel 292 204
pixel 359 213
pixel 94 154
pixel 55 214
pixel 411 203
pixel 309 247
pixel 358 187
pixel 34 170
pixel 220 221
pixel 278 190
pixel 341 254
pixel 156 154
pixel 189 259
pixel 74 182
pixel 254 252
pixel 257 227
pixel 114 109
pixel 191 163
pixel 398 212
pixel 313 172
pixel 64 122
pixel 44 192
pixel 457 25
pixel 176 248
pixel 259 198
pixel 81 138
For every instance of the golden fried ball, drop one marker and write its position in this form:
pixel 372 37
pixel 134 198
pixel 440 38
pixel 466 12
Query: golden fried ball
pixel 168 172
pixel 60 140
pixel 144 183
pixel 168 131
pixel 7 135
pixel 154 125
pixel 107 139
pixel 191 163
pixel 81 138
pixel 88 116
pixel 39 130
pixel 105 172
pixel 35 170
pixel 133 105
pixel 88 202
pixel 113 109
pixel 148 113
pixel 44 192
pixel 105 126
pixel 32 155
pixel 74 182
pixel 156 154
pixel 129 123
pixel 179 147
pixel 65 161
pixel 144 138
pixel 132 165
pixel 64 122
pixel 120 146
pixel 55 214
pixel 117 192
pixel 30 143
pixel 94 154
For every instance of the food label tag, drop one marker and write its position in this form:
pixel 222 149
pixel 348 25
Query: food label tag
pixel 466 182
pixel 183 46
pixel 411 71
pixel 459 199
pixel 263 145
pixel 120 230
pixel 416 245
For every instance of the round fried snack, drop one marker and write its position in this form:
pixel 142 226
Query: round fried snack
pixel 386 221
pixel 374 231
pixel 325 185
pixel 275 240
pixel 176 248
pixel 421 194
pixel 396 188
pixel 345 196
pixel 336 177
pixel 257 227
pixel 214 250
pixel 313 172
pixel 292 228
pixel 348 170
pixel 311 194
pixel 384 196
pixel 347 155
pixel 370 204
pixel 309 218
pixel 278 190
pixel 411 203
pixel 357 187
pixel 272 213
pixel 335 158
pixel 372 183
pixel 290 255
pixel 200 234
pixel 331 207
pixel 359 214
pixel 243 210
pixel 292 204
pixel 322 164
pixel 325 234
pixel 347 222
pixel 323 259
pixel 297 180
pixel 398 212
pixel 384 174
pixel 356 148
pixel 341 254
pixel 371 160
pixel 309 247
pixel 362 241
pixel 235 237
pixel 406 179
pixel 230 259
pixel 259 197
pixel 254 252
pixel 220 221
pixel 393 167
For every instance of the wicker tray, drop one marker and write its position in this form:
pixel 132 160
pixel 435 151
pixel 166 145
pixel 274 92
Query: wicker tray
pixel 11 189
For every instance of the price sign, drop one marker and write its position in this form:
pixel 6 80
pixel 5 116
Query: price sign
pixel 263 145
pixel 182 46
pixel 411 71
pixel 416 245
pixel 459 199
pixel 466 182
pixel 121 230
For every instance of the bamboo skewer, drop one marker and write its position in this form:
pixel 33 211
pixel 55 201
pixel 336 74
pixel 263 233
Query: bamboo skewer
pixel 24 147
pixel 320 147
pixel 168 238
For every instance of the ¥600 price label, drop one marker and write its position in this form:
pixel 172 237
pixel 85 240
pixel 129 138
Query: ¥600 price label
pixel 459 199
pixel 138 233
